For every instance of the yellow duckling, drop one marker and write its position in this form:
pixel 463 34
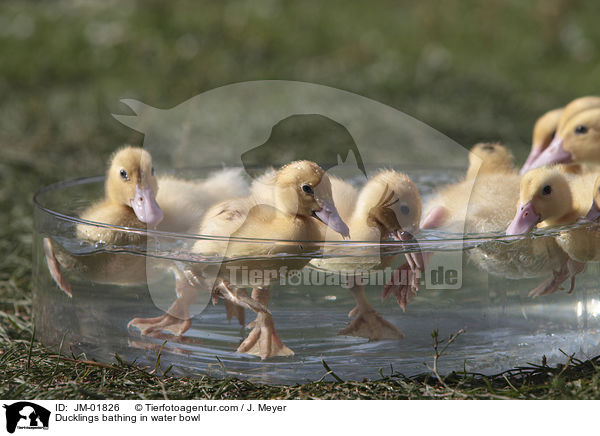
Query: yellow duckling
pixel 485 205
pixel 133 200
pixel 491 181
pixel 388 206
pixel 552 122
pixel 583 244
pixel 576 141
pixel 184 202
pixel 544 130
pixel 550 198
pixel 302 193
pixel 130 201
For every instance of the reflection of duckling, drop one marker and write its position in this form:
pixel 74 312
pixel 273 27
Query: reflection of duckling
pixel 547 200
pixel 389 205
pixel 302 192
pixel 133 200
pixel 577 141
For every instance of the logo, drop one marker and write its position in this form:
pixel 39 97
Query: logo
pixel 26 415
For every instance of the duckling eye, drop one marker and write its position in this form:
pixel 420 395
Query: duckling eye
pixel 308 189
pixel 405 209
pixel 581 130
pixel 123 174
pixel 152 171
pixel 488 147
pixel 547 190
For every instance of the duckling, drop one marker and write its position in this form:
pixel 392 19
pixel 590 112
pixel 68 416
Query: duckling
pixel 576 141
pixel 491 171
pixel 547 200
pixel 302 197
pixel 388 205
pixel 130 201
pixel 487 204
pixel 543 133
pixel 133 200
pixel 184 202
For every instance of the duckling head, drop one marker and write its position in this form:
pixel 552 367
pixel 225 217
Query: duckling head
pixel 391 202
pixel 543 133
pixel 491 157
pixel 304 189
pixel 130 181
pixel 576 106
pixel 545 197
pixel 594 212
pixel 578 140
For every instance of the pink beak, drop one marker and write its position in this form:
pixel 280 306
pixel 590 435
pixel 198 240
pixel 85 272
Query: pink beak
pixel 533 155
pixel 145 207
pixel 329 216
pixel 524 221
pixel 594 213
pixel 555 153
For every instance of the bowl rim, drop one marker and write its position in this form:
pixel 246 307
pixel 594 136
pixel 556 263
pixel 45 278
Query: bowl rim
pixel 431 240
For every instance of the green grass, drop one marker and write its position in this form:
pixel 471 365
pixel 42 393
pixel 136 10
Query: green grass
pixel 473 70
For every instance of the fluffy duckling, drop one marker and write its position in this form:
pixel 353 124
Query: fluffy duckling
pixel 302 192
pixel 133 199
pixel 388 206
pixel 130 201
pixel 544 130
pixel 184 202
pixel 489 158
pixel 581 243
pixel 549 198
pixel 490 181
pixel 487 204
pixel 576 141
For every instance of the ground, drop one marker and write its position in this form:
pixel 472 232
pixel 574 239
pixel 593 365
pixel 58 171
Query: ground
pixel 472 70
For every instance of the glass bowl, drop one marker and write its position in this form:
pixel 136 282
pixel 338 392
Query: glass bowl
pixel 500 326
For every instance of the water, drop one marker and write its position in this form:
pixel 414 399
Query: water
pixel 503 326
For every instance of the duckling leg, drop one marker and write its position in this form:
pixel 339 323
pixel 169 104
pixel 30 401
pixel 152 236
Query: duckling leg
pixel 367 322
pixel 552 284
pixel 232 309
pixel 55 270
pixel 403 284
pixel 263 340
pixel 177 319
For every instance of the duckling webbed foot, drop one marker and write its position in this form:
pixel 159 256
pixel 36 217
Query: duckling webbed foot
pixel 55 269
pixel 177 320
pixel 154 326
pixel 367 323
pixel 263 340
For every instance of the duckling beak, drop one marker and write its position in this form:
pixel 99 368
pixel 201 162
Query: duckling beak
pixel 414 258
pixel 525 220
pixel 329 216
pixel 594 213
pixel 555 153
pixel 145 206
pixel 533 155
